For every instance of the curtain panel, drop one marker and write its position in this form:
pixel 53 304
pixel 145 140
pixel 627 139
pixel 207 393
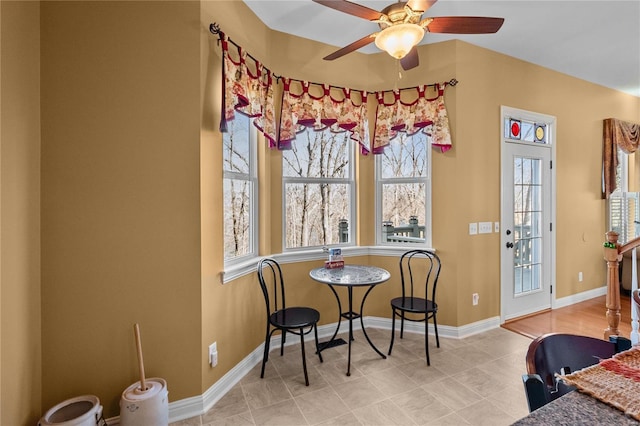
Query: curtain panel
pixel 616 133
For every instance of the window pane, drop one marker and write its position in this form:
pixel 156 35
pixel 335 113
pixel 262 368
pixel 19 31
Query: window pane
pixel 403 212
pixel 405 157
pixel 526 171
pixel 313 213
pixel 317 155
pixel 527 131
pixel 403 175
pixel 518 198
pixel 536 197
pixel 517 170
pixel 236 145
pixel 318 185
pixel 237 221
pixel 238 149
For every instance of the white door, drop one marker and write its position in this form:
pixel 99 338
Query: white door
pixel 527 243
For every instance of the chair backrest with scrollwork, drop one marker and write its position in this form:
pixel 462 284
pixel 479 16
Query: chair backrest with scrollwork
pixel 419 274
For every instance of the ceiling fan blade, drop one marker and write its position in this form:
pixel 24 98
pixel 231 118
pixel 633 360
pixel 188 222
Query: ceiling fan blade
pixel 350 48
pixel 351 8
pixel 422 5
pixel 464 25
pixel 411 60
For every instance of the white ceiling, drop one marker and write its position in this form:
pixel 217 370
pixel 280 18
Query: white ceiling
pixel 594 40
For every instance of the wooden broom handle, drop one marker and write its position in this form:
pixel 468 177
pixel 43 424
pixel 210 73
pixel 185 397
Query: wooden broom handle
pixel 143 386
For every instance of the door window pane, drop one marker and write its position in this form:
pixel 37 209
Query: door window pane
pixel 527 224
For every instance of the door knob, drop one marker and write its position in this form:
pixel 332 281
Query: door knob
pixel 509 245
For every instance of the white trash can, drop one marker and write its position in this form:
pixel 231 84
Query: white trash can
pixel 80 411
pixel 145 407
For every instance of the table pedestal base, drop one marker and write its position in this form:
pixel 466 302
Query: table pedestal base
pixel 350 316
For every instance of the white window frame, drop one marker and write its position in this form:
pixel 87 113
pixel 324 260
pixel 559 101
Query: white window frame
pixel 380 181
pixel 349 180
pixel 233 265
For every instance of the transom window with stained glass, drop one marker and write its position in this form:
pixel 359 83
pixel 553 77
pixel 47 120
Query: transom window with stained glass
pixel 526 131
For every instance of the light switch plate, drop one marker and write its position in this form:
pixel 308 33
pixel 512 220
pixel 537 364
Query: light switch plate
pixel 485 228
pixel 473 228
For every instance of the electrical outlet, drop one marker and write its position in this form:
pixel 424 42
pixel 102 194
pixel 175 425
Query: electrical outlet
pixel 473 228
pixel 579 276
pixel 474 298
pixel 213 354
pixel 485 227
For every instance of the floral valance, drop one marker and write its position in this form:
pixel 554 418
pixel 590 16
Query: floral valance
pixel 424 113
pixel 336 108
pixel 616 133
pixel 252 89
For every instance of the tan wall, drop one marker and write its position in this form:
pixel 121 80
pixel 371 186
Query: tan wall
pixel 120 197
pixel 490 80
pixel 1 197
pixel 20 366
pixel 131 225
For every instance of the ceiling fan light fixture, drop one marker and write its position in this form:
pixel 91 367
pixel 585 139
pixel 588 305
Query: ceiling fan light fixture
pixel 397 40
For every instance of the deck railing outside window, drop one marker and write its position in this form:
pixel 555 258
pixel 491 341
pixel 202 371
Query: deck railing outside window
pixel 410 233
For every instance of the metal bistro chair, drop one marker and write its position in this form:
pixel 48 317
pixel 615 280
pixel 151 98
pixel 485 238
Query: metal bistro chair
pixel 279 317
pixel 419 271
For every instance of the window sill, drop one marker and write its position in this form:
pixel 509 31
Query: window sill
pixel 249 266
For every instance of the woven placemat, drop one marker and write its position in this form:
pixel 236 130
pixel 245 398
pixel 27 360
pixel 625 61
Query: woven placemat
pixel 615 381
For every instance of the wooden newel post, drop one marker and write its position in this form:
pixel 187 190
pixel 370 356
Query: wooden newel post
pixel 613 284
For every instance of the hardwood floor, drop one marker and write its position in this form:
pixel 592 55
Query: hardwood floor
pixel 585 318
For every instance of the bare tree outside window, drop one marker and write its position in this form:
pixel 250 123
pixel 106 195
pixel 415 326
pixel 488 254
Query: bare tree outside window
pixel 318 185
pixel 403 187
pixel 238 188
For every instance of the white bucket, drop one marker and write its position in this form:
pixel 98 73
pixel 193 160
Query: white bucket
pixel 80 411
pixel 145 407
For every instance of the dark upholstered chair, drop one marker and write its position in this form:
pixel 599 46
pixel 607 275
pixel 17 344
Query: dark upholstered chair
pixel 297 320
pixel 419 273
pixel 562 353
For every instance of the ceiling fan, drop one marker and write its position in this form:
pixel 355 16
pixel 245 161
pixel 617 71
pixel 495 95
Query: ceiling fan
pixel 402 27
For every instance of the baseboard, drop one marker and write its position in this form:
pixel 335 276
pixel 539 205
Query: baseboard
pixel 579 297
pixel 443 330
pixel 198 405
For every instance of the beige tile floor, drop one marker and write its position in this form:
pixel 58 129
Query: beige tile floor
pixel 472 381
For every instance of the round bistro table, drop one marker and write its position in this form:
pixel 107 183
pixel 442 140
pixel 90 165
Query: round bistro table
pixel 350 276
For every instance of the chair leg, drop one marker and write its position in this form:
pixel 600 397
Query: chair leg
pixel 265 355
pixel 315 329
pixel 304 359
pixel 435 327
pixel 284 338
pixel 426 341
pixel 401 325
pixel 393 329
